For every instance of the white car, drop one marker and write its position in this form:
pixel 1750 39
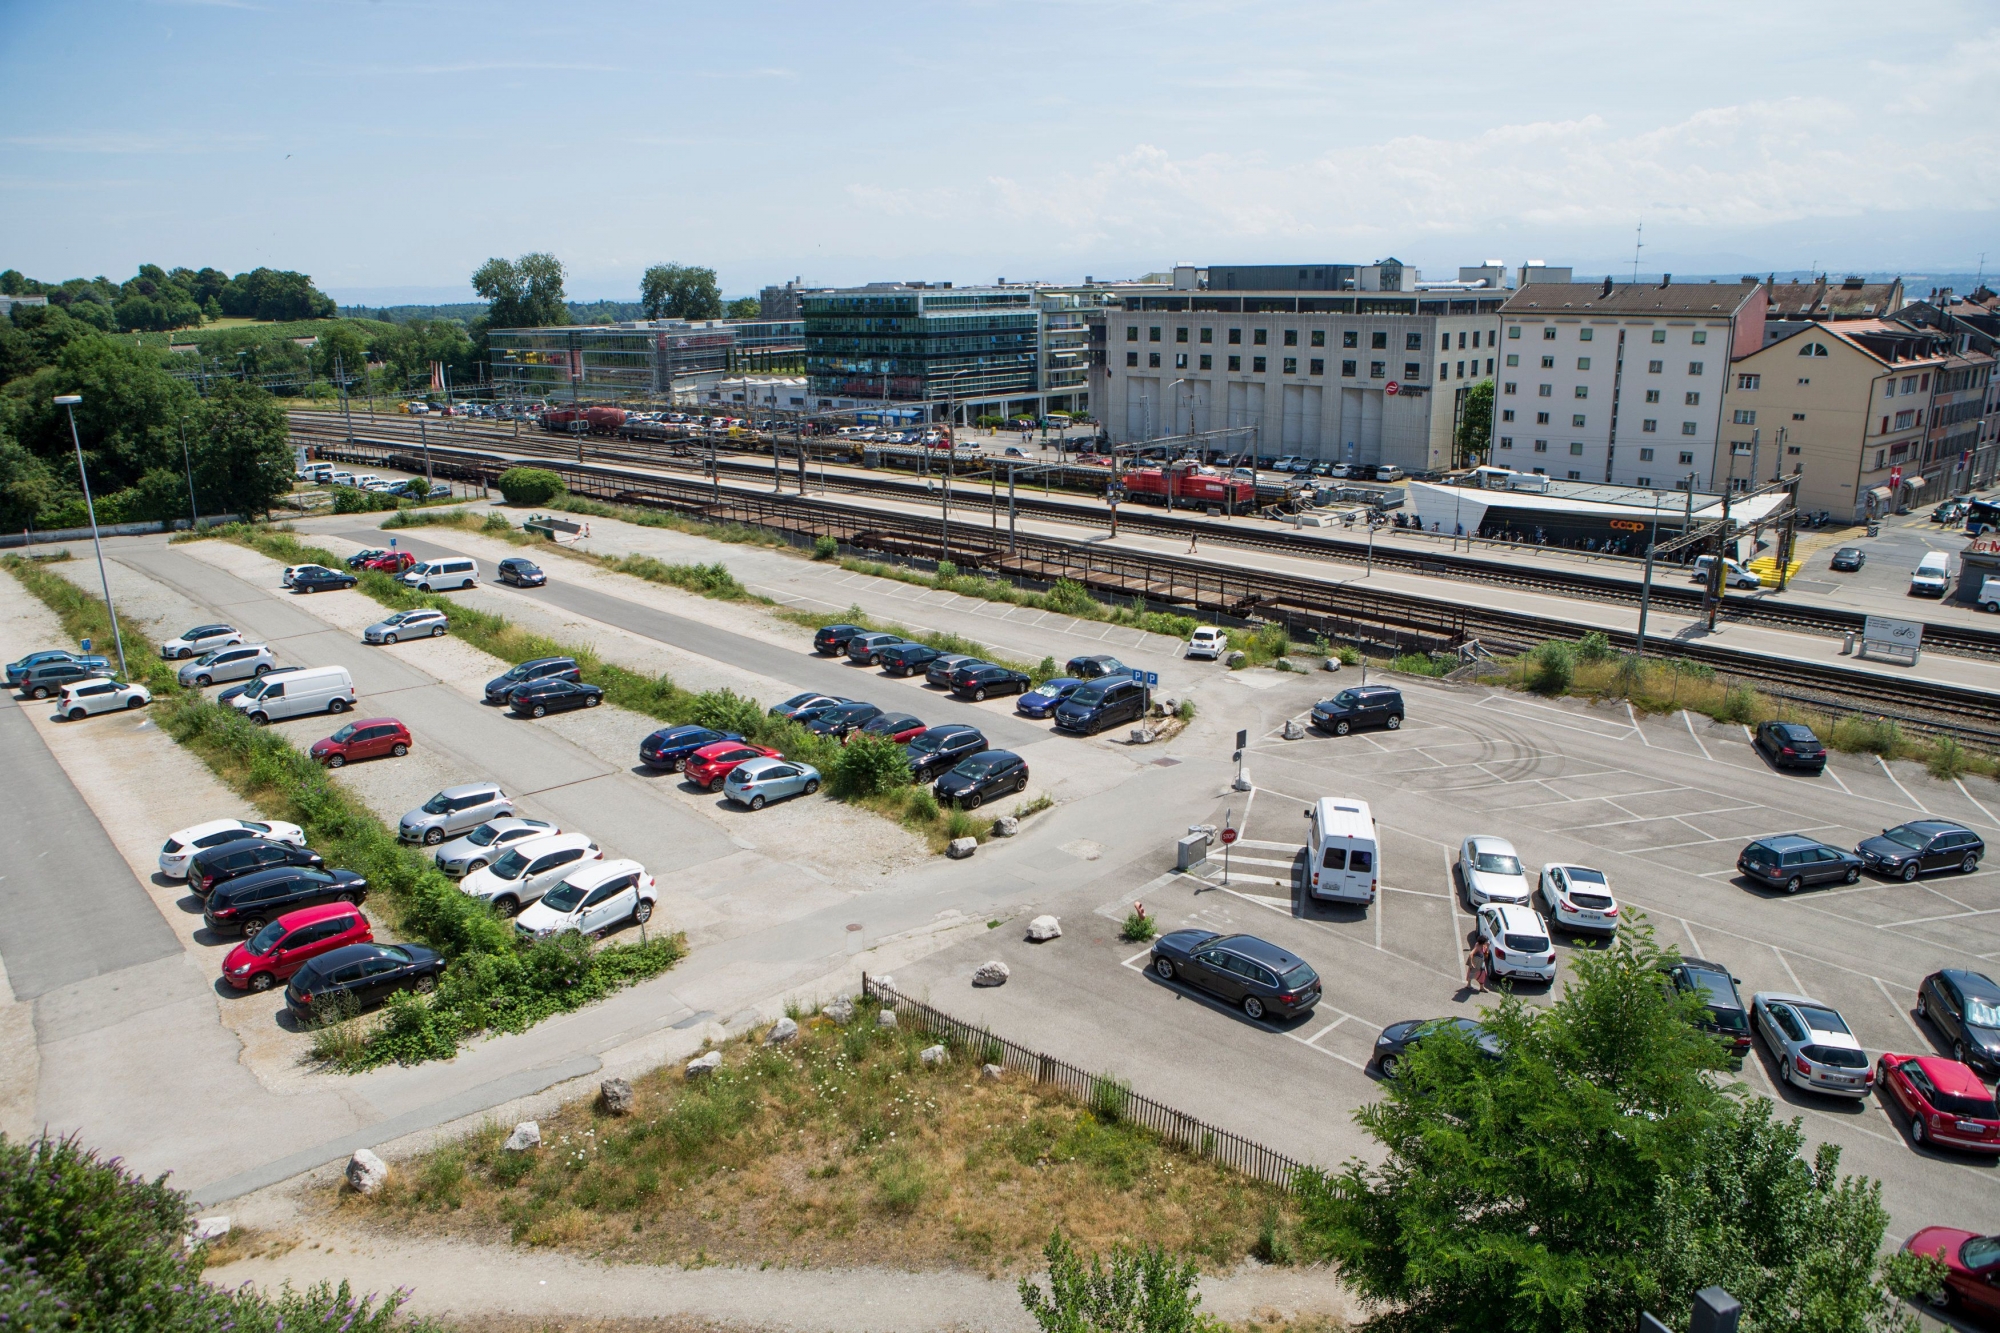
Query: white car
pixel 1208 642
pixel 241 661
pixel 463 855
pixel 1519 940
pixel 1579 899
pixel 1491 871
pixel 530 868
pixel 100 694
pixel 293 571
pixel 182 846
pixel 200 639
pixel 593 900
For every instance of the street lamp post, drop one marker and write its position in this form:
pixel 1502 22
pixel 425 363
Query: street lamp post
pixel 68 402
pixel 194 514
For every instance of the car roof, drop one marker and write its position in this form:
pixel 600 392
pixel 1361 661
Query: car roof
pixel 1489 842
pixel 684 730
pixel 951 729
pixel 1976 984
pixel 1263 951
pixel 266 876
pixel 590 874
pixel 470 788
pixel 900 719
pixel 757 765
pixel 203 829
pixel 954 658
pixel 1513 916
pixel 1935 826
pixel 1951 1076
pixel 547 842
pixel 718 747
pixel 306 916
pixel 843 625
pixel 373 721
pixel 1788 842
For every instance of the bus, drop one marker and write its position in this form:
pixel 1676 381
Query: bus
pixel 1982 516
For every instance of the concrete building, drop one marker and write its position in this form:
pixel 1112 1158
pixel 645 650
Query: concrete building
pixel 1795 304
pixel 1965 450
pixel 776 302
pixel 1602 383
pixel 636 359
pixel 7 303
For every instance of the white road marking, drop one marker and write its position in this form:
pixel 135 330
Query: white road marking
pixel 1797 989
pixel 1975 800
pixel 1690 934
pixel 1635 725
pixel 1828 770
pixel 1901 1009
pixel 1948 916
pixel 1899 786
pixel 1688 718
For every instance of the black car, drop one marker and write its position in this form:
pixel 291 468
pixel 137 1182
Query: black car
pixel 502 687
pixel 1790 745
pixel 939 669
pixel 1790 862
pixel 670 747
pixel 1362 706
pixel 246 903
pixel 1964 1007
pixel 941 748
pixel 977 682
pixel 363 556
pixel 1848 559
pixel 1727 1016
pixel 316 579
pixel 226 861
pixel 538 698
pixel 39 682
pixel 801 706
pixel 832 639
pixel 1921 846
pixel 16 670
pixel 1397 1039
pixel 1242 969
pixel 364 973
pixel 1095 666
pixel 522 573
pixel 867 649
pixel 905 659
pixel 1098 704
pixel 991 773
pixel 842 718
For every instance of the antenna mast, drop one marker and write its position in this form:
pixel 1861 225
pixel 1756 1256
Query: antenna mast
pixel 1638 244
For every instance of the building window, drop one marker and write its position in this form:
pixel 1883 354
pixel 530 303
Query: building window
pixel 1319 337
pixel 1180 360
pixel 1749 381
pixel 1791 449
pixel 1236 363
pixel 1259 337
pixel 1318 366
pixel 1645 456
pixel 1235 337
pixel 1574 475
pixel 1208 335
pixel 1506 442
pixel 1548 363
pixel 1132 359
pixel 1576 447
pixel 1576 420
pixel 1741 448
pixel 1585 335
pixel 1153 360
pixel 1812 349
pixel 1347 369
pixel 1889 389
pixel 1541 446
pixel 1541 472
pixel 1549 333
pixel 1291 365
pixel 1687 428
pixel 1181 334
pixel 1645 481
pixel 1545 391
pixel 1652 395
pixel 1257 365
pixel 1378 340
pixel 1694 367
pixel 1153 334
pixel 1506 414
pixel 1686 458
pixel 1655 367
pixel 1461 368
pixel 1693 399
pixel 1906 418
pixel 1700 337
pixel 1291 337
pixel 1132 333
pixel 1583 363
pixel 1649 425
pixel 1378 370
pixel 1798 416
pixel 1583 391
pixel 1413 342
pixel 1659 335
pixel 1513 330
pixel 1350 338
pixel 1207 361
pixel 1745 417
pixel 1880 459
pixel 1513 358
pixel 1414 370
pixel 1541 418
pixel 1509 387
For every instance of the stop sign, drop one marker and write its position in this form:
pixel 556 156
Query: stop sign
pixel 1228 836
pixel 1393 388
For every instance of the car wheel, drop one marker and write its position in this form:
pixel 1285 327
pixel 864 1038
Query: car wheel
pixel 1916 1128
pixel 263 667
pixel 1794 884
pixel 336 706
pixel 678 766
pixel 262 981
pixel 260 719
pixel 1341 728
pixel 388 638
pixel 643 912
pixel 757 802
pixel 1165 967
pixel 204 680
pixel 471 866
pixel 507 905
pixel 539 710
pixel 433 836
pixel 40 692
pixel 437 631
pixel 592 700
pixel 1853 875
pixel 399 749
pixel 251 925
pixel 423 587
pixel 970 801
pixel 716 784
pixel 1253 1007
pixel 425 985
pixel 1389 1064
pixel 1924 1007
pixel 1969 864
pixel 1910 872
pixel 183 654
pixel 812 785
pixel 1395 722
pixel 336 761
pixel 979 695
pixel 1021 783
pixel 135 702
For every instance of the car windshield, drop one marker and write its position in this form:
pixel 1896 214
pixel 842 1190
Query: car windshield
pixel 1299 977
pixel 510 865
pixel 257 688
pixel 346 733
pixel 398 618
pixel 1493 863
pixel 1905 836
pixel 1848 552
pixel 563 897
pixel 1087 695
pixel 1582 875
pixel 1529 943
pixel 484 835
pixel 518 671
pixel 1821 1019
pixel 437 804
pixel 208 659
pixel 392 951
pixel 1981 1013
pixel 1837 1057
pixel 267 939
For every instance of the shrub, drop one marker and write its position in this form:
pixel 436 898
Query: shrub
pixel 1044 670
pixel 1947 759
pixel 726 710
pixel 921 806
pixel 354 500
pixel 1071 598
pixel 496 522
pixel 960 824
pixel 1418 664
pixel 1873 735
pixel 1186 711
pixel 1594 647
pixel 1630 677
pixel 1109 1097
pixel 1349 655
pixel 1138 928
pixel 825 548
pixel 531 485
pixel 946 570
pixel 1552 667
pixel 1739 704
pixel 867 765
pixel 1141 1290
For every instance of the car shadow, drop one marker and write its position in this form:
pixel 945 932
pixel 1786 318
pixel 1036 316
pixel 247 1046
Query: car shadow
pixel 216 939
pixel 648 771
pixel 191 903
pixel 1181 990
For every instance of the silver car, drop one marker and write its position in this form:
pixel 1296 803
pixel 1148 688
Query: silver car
pixel 453 811
pixel 1491 871
pixel 423 622
pixel 238 662
pixel 462 856
pixel 1811 1042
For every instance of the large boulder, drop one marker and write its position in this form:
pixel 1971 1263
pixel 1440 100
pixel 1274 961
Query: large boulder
pixel 840 1011
pixel 1235 659
pixel 885 1018
pixel 782 1031
pixel 960 848
pixel 615 1096
pixel 366 1172
pixel 1294 730
pixel 526 1135
pixel 1044 928
pixel 208 1228
pixel 1006 826
pixel 994 973
pixel 703 1065
pixel 934 1055
pixel 991 1073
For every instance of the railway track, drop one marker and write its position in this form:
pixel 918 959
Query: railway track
pixel 1397 621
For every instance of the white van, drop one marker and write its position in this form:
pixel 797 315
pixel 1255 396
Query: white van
pixel 1343 857
pixel 1989 594
pixel 1933 575
pixel 456 571
pixel 277 696
pixel 1734 575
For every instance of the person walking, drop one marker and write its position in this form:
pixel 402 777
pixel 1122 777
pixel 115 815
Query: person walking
pixel 1476 964
pixel 1193 541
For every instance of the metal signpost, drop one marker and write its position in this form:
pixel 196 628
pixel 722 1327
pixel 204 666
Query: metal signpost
pixel 1228 840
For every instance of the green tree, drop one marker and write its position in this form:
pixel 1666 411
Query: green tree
pixel 128 420
pixel 1140 1291
pixel 743 307
pixel 242 450
pixel 524 293
pixel 275 294
pixel 407 353
pixel 530 485
pixel 343 347
pixel 680 291
pixel 1597 1167
pixel 1475 425
pixel 29 487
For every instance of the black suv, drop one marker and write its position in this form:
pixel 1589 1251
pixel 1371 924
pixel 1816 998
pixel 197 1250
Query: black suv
pixel 905 659
pixel 842 718
pixel 246 903
pixel 1362 706
pixel 1965 1009
pixel 521 573
pixel 1790 862
pixel 1098 704
pixel 832 639
pixel 244 856
pixel 1921 846
pixel 941 748
pixel 1727 1017
pixel 1790 745
pixel 976 682
pixel 319 580
pixel 1095 666
pixel 364 973
pixel 553 694
pixel 501 688
pixel 993 773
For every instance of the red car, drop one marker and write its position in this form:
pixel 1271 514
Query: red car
pixel 364 738
pixel 709 766
pixel 391 562
pixel 1972 1266
pixel 1947 1105
pixel 901 728
pixel 287 944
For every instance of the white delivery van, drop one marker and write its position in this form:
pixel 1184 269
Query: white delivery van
pixel 294 693
pixel 1734 575
pixel 1344 860
pixel 1933 575
pixel 1989 594
pixel 456 571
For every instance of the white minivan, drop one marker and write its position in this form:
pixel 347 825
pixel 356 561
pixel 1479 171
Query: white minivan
pixel 1344 859
pixel 456 571
pixel 294 693
pixel 1933 575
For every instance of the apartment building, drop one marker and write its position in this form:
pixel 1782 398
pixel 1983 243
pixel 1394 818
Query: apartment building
pixel 1620 384
pixel 1795 304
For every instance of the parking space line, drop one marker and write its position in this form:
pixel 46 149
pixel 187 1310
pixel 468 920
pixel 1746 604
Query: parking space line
pixel 1899 786
pixel 1335 1055
pixel 1901 1009
pixel 1328 1028
pixel 1828 770
pixel 1635 725
pixel 1414 893
pixel 1688 718
pixel 1690 934
pixel 1797 989
pixel 1948 916
pixel 1976 801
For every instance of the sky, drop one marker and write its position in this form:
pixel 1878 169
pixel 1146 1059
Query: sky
pixel 388 147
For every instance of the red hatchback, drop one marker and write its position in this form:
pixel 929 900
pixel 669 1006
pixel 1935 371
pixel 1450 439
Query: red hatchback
pixel 1947 1105
pixel 366 738
pixel 289 943
pixel 1972 1267
pixel 710 765
pixel 391 562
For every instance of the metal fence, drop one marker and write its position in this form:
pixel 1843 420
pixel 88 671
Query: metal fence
pixel 1097 1091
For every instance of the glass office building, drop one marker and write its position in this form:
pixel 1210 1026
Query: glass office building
pixel 924 343
pixel 641 360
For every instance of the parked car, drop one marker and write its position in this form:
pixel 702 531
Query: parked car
pixel 1848 559
pixel 1241 969
pixel 47 678
pixel 364 738
pixel 1790 745
pixel 100 694
pixel 528 869
pixel 1362 706
pixel 1101 703
pixel 831 640
pixel 521 572
pixel 711 764
pixel 502 687
pixel 227 697
pixel 453 811
pixel 1207 642
pixel 1724 1015
pixel 1095 667
pixel 936 749
pixel 670 747
pixel 321 580
pixel 804 704
pixel 361 974
pixel 91 662
pixel 421 623
pixel 1491 871
pixel 277 695
pixel 455 571
pixel 1964 1007
pixel 1398 1039
pixel 757 782
pixel 906 659
pixel 538 698
pixel 842 718
pixel 245 904
pixel 1920 847
pixel 470 851
pixel 1579 899
pixel 287 944
pixel 1734 575
pixel 390 562
pixel 1519 942
pixel 244 661
pixel 201 639
pixel 868 648
pixel 1042 700
pixel 938 670
pixel 988 774
pixel 1813 1047
pixel 291 573
pixel 1790 862
pixel 592 900
pixel 1972 1268
pixel 244 856
pixel 181 847
pixel 363 556
pixel 1943 1101
pixel 901 728
pixel 976 682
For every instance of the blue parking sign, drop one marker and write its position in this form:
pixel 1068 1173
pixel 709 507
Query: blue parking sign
pixel 1152 680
